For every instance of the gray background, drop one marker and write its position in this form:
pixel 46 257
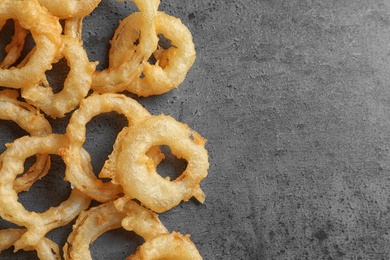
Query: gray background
pixel 294 99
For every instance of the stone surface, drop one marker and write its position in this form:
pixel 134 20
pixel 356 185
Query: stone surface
pixel 294 99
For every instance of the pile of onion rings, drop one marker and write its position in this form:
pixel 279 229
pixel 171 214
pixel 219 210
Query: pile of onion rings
pixel 129 192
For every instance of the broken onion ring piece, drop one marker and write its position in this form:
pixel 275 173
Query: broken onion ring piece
pixel 46 249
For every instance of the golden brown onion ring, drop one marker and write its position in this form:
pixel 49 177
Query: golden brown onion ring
pixel 37 224
pixel 46 248
pixel 29 119
pixel 168 246
pixel 76 132
pixel 100 219
pixel 171 66
pixel 118 78
pixel 76 85
pixel 45 30
pixel 70 8
pixel 137 173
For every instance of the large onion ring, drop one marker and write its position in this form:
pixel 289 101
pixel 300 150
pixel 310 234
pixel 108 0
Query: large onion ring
pixel 167 246
pixel 171 66
pixel 76 132
pixel 116 79
pixel 29 119
pixel 46 248
pixel 37 224
pixel 45 29
pixel 70 8
pixel 76 85
pixel 139 177
pixel 100 219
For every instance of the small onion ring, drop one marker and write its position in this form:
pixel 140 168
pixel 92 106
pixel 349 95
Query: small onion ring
pixel 168 246
pixel 139 177
pixel 76 132
pixel 116 79
pixel 29 119
pixel 100 219
pixel 45 29
pixel 37 224
pixel 76 85
pixel 46 248
pixel 70 8
pixel 172 64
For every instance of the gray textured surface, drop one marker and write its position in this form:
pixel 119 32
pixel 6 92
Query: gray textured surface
pixel 294 98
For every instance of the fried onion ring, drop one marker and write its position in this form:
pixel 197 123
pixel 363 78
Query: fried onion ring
pixel 76 132
pixel 46 248
pixel 138 175
pixel 45 29
pixel 29 119
pixel 76 85
pixel 118 78
pixel 172 64
pixel 100 219
pixel 37 224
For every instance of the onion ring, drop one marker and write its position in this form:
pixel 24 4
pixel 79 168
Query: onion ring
pixel 139 178
pixel 76 132
pixel 29 119
pixel 116 79
pixel 37 224
pixel 167 246
pixel 70 8
pixel 76 85
pixel 45 29
pixel 46 248
pixel 100 219
pixel 172 64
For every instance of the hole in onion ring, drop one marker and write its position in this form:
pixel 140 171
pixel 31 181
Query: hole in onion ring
pixel 40 197
pixel 125 243
pixel 6 34
pixel 57 75
pixel 9 132
pixel 164 42
pixel 29 44
pixel 19 254
pixel 171 167
pixel 104 129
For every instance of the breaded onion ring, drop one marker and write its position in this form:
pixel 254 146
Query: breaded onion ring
pixel 118 78
pixel 167 246
pixel 100 219
pixel 46 248
pixel 70 8
pixel 137 173
pixel 171 65
pixel 76 85
pixel 76 132
pixel 30 120
pixel 37 224
pixel 45 30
